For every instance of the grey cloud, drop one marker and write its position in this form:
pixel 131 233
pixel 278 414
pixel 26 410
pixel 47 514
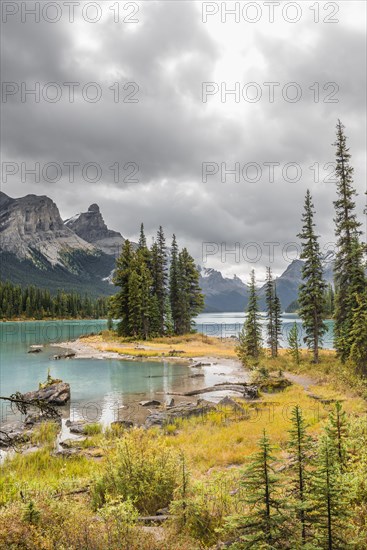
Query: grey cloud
pixel 170 132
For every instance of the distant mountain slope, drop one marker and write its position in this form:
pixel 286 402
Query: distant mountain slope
pixel 287 285
pixel 225 294
pixel 36 247
pixel 91 227
pixel 222 293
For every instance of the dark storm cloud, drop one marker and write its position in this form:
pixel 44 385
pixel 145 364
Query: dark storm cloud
pixel 169 133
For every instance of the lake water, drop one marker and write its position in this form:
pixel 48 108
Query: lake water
pixel 100 387
pixel 225 325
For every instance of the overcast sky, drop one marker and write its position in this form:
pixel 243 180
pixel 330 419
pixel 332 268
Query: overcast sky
pixel 161 128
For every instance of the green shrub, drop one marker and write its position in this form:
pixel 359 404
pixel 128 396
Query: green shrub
pixel 143 470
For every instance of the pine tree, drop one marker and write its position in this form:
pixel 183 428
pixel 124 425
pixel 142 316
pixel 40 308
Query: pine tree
pixel 312 288
pixel 299 445
pixel 269 298
pixel 348 269
pixel 190 299
pixel 159 273
pixel 134 303
pixel 168 319
pixel 293 343
pixel 146 282
pixel 278 323
pixel 329 500
pixel 142 239
pixel 329 301
pixel 120 306
pixel 337 430
pixel 174 285
pixel 250 339
pixel 358 334
pixel 261 528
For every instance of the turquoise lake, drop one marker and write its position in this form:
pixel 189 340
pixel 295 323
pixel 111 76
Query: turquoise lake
pixel 100 387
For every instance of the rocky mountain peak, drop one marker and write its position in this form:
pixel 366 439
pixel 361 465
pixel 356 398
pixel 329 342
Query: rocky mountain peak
pixel 33 223
pixel 91 227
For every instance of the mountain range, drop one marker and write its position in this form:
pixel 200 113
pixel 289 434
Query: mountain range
pixel 38 247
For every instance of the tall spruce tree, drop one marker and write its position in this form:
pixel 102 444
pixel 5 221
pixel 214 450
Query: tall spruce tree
pixel 134 303
pixel 337 430
pixel 312 288
pixel 190 298
pixel 278 323
pixel 358 334
pixel 250 338
pixel 329 500
pixel 262 528
pixel 298 475
pixel 142 239
pixel 294 344
pixel 174 285
pixel 120 305
pixel 159 273
pixel 269 298
pixel 348 269
pixel 273 314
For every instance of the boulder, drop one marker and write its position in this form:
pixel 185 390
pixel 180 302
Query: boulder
pixel 37 417
pixel 183 410
pixel 229 402
pixel 54 394
pixel 251 392
pixel 76 426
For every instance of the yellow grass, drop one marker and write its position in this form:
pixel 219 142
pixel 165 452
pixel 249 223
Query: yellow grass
pixel 215 442
pixel 191 345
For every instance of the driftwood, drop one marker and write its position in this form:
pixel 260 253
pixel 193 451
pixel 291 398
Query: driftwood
pixel 241 388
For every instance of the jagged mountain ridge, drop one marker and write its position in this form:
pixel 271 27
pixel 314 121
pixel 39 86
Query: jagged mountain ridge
pixel 36 247
pixel 91 227
pixel 34 223
pixel 226 294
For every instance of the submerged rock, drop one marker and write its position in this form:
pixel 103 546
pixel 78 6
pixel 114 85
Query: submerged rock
pixel 68 355
pixel 35 350
pixel 54 394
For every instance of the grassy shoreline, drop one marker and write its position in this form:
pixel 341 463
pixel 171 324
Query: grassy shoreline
pixel 216 448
